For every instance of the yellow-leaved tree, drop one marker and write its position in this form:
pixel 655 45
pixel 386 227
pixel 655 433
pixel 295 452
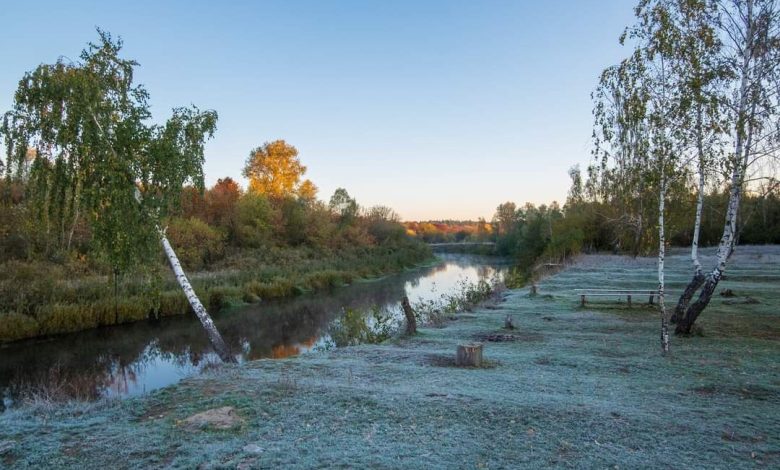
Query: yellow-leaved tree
pixel 275 171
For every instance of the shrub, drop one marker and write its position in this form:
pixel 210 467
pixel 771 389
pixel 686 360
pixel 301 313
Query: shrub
pixel 172 303
pixel 196 243
pixel 254 219
pixel 24 287
pixel 218 297
pixel 15 326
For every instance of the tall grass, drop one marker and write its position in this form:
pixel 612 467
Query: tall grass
pixel 39 299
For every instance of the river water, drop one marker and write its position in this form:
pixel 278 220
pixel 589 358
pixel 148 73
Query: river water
pixel 134 359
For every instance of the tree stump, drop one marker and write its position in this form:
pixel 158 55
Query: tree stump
pixel 411 321
pixel 509 323
pixel 469 355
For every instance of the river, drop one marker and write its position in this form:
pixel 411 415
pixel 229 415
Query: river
pixel 134 359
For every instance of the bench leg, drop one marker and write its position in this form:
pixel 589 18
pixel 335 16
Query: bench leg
pixel 582 300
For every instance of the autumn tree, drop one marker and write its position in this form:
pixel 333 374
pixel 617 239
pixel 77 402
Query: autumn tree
pixel 220 201
pixel 274 170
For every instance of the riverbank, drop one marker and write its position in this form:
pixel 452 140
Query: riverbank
pixel 570 387
pixel 43 299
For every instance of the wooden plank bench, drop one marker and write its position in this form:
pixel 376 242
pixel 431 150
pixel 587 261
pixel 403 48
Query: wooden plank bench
pixel 627 293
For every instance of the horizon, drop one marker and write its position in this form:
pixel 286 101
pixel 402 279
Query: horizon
pixel 398 103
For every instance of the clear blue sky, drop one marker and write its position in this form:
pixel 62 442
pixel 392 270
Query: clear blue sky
pixel 439 109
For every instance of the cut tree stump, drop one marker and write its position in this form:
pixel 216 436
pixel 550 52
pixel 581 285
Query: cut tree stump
pixel 509 323
pixel 469 355
pixel 411 321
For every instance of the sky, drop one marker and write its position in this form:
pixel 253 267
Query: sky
pixel 438 109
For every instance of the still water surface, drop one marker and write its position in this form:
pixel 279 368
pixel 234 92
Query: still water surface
pixel 133 359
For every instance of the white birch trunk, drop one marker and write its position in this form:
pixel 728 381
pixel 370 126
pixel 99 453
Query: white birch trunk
pixel 700 196
pixel 742 151
pixel 219 345
pixel 741 154
pixel 661 259
pixel 205 319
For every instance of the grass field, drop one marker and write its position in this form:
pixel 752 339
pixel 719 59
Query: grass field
pixel 570 387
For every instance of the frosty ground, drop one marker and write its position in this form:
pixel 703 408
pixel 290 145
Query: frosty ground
pixel 570 387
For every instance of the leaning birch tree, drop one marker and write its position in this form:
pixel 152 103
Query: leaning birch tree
pixel 97 158
pixel 750 30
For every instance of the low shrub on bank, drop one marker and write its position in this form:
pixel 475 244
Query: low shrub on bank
pixel 465 297
pixel 16 326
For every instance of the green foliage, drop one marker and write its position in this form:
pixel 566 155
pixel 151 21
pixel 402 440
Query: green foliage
pixel 82 130
pixel 25 287
pixel 16 326
pixel 344 206
pixel 254 221
pixel 89 179
pixel 197 244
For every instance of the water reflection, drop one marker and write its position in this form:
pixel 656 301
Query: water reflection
pixel 133 359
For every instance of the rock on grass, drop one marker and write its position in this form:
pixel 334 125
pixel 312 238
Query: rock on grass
pixel 223 418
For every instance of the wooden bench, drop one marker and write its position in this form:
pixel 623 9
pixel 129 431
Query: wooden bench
pixel 627 293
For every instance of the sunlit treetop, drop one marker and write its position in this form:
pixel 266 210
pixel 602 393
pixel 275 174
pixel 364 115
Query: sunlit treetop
pixel 274 170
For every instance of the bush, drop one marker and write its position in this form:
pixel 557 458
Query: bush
pixel 196 243
pixel 218 297
pixel 172 303
pixel 254 219
pixel 24 287
pixel 15 326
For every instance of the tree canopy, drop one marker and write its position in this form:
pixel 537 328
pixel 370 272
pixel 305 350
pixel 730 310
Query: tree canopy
pixel 79 133
pixel 274 170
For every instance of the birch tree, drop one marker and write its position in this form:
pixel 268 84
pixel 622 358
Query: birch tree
pixel 97 158
pixel 630 123
pixel 646 116
pixel 620 151
pixel 750 30
pixel 701 75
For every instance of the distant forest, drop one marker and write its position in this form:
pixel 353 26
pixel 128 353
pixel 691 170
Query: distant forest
pixel 588 223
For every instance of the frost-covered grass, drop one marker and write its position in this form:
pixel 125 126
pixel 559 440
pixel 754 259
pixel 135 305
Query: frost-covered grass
pixel 570 387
